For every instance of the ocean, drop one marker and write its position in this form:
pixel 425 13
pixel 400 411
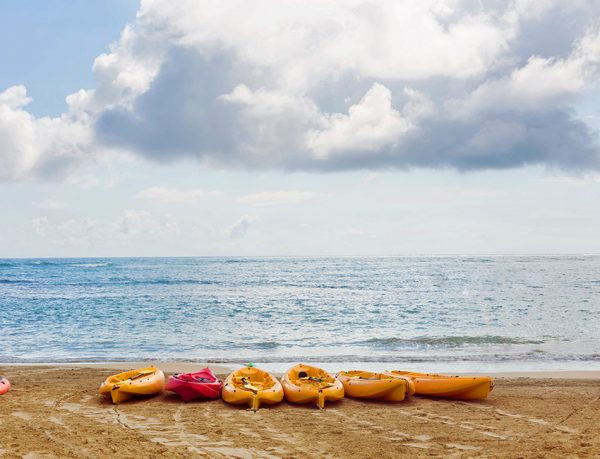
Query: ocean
pixel 457 313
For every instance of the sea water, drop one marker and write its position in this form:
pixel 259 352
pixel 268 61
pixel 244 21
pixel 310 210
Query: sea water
pixel 429 313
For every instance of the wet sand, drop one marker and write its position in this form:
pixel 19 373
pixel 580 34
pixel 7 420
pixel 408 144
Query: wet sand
pixel 54 411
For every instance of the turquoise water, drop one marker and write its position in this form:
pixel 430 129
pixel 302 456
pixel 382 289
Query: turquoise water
pixel 522 312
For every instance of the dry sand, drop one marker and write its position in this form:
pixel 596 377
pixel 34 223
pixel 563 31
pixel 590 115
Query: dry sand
pixel 57 412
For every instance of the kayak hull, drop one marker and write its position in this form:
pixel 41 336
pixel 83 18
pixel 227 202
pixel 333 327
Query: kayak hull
pixel 252 387
pixel 374 386
pixel 124 386
pixel 452 387
pixel 191 386
pixel 4 385
pixel 307 389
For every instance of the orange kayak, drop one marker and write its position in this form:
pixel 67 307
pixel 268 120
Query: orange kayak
pixel 306 384
pixel 375 386
pixel 252 386
pixel 443 386
pixel 123 386
pixel 4 385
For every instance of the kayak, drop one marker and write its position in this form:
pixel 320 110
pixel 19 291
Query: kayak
pixel 443 386
pixel 306 384
pixel 375 386
pixel 123 386
pixel 201 384
pixel 4 385
pixel 252 386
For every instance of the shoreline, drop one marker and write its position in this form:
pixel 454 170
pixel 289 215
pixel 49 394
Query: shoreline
pixel 174 366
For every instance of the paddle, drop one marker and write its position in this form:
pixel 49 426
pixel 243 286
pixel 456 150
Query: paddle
pixel 249 386
pixel 317 380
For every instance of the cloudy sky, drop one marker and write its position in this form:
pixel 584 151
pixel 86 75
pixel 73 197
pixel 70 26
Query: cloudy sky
pixel 338 127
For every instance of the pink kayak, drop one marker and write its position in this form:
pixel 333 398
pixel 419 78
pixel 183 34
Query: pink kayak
pixel 189 386
pixel 4 385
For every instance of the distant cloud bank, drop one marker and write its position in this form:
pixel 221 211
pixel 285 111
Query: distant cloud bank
pixel 327 86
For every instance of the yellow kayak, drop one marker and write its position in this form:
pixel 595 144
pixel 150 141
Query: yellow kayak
pixel 443 386
pixel 123 386
pixel 375 386
pixel 306 384
pixel 252 386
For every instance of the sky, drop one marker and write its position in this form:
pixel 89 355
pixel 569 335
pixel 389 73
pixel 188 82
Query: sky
pixel 191 128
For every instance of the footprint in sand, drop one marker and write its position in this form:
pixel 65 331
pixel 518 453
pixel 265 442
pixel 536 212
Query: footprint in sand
pixel 158 432
pixel 33 455
pixel 58 421
pixel 538 421
pixel 414 441
pixel 447 420
pixel 417 445
pixel 59 440
pixel 422 437
pixel 462 447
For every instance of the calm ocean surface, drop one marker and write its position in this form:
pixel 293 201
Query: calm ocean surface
pixel 463 313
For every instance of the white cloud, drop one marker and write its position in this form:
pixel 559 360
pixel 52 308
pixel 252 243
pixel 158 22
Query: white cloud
pixel 276 198
pixel 78 232
pixel 370 125
pixel 273 123
pixel 174 195
pixel 15 97
pixel 262 85
pixel 240 228
pixel 39 225
pixel 87 231
pixel 264 103
pixel 541 82
pixel 124 73
pixel 34 147
pixel 133 223
pixel 303 42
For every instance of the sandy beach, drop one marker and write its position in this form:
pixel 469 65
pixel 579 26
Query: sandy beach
pixel 55 411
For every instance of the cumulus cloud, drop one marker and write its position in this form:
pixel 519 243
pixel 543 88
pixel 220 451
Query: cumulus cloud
pixel 38 225
pixel 78 232
pixel 174 195
pixel 239 229
pixel 37 147
pixel 132 223
pixel 276 198
pixel 369 126
pixel 542 82
pixel 346 84
pixel 81 232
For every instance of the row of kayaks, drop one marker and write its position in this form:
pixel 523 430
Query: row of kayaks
pixel 254 387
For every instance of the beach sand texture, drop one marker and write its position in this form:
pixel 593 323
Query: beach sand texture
pixel 57 412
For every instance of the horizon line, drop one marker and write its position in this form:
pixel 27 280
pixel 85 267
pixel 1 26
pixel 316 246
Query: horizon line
pixel 432 255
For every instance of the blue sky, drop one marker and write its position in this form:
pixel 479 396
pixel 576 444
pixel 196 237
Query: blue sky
pixel 49 46
pixel 346 128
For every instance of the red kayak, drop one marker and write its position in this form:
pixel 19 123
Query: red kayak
pixel 4 385
pixel 189 386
